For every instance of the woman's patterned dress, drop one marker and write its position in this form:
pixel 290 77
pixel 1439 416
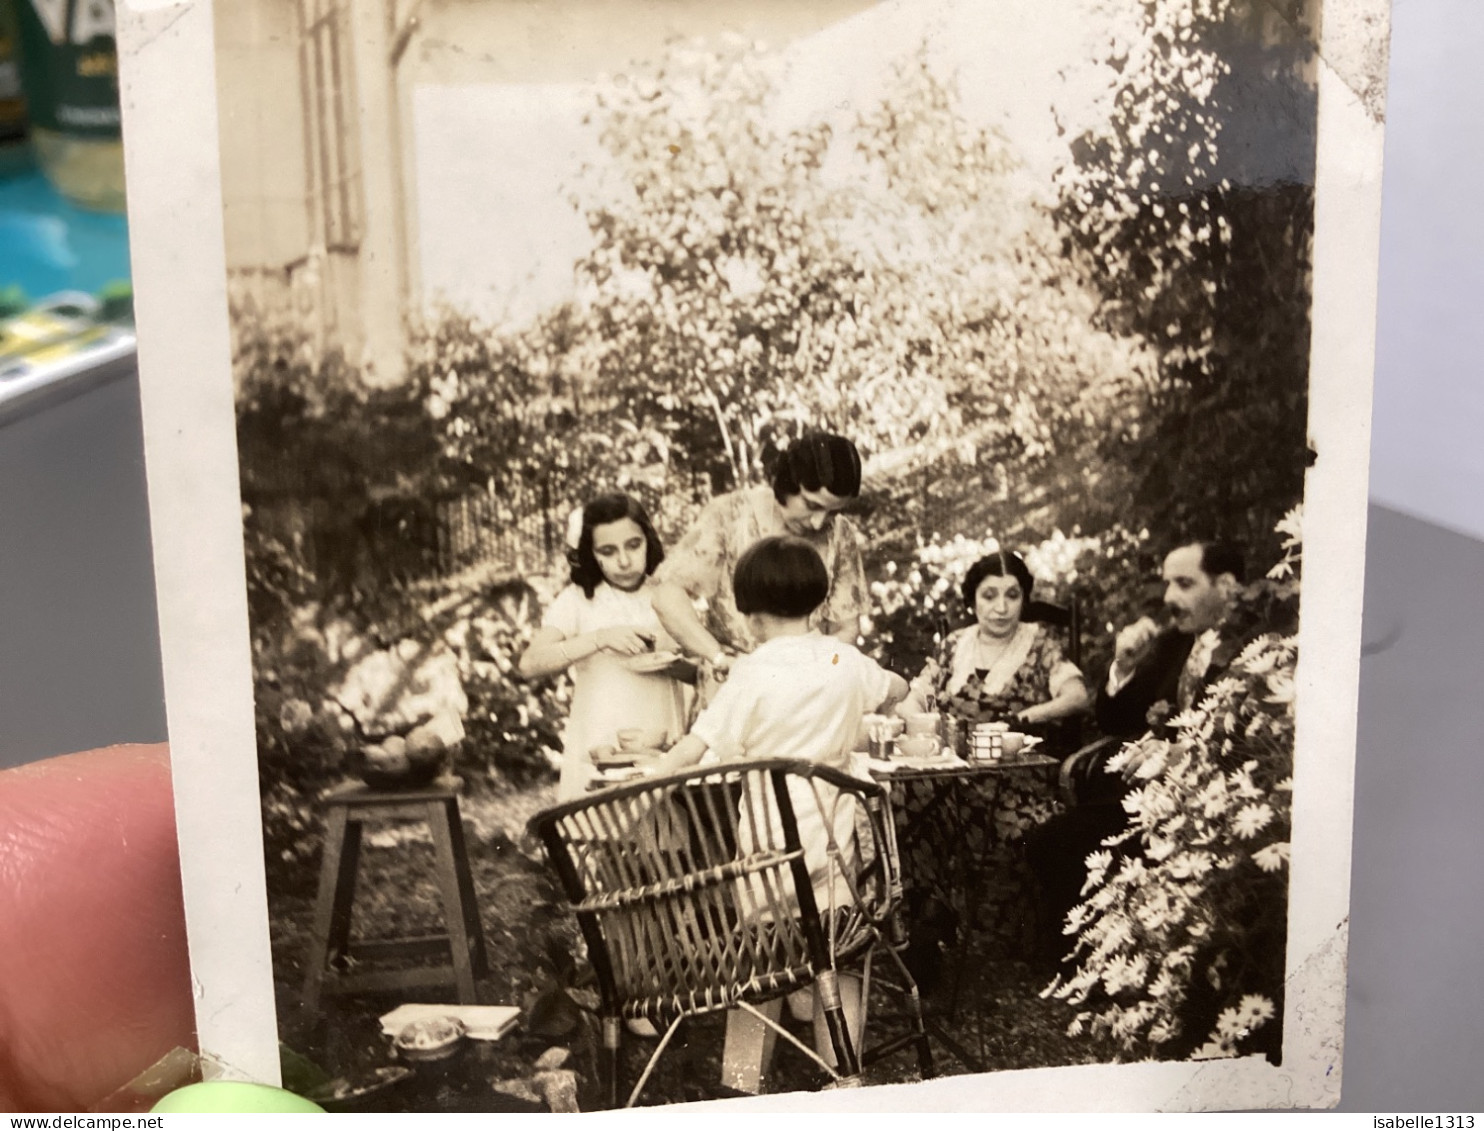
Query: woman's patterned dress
pixel 960 838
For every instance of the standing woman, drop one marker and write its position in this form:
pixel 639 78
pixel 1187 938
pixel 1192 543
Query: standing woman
pixel 816 477
pixel 603 627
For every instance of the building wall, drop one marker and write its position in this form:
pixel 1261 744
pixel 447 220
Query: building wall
pixel 262 129
pixel 342 278
pixel 569 41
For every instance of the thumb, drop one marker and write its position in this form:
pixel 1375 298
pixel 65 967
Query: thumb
pixel 92 931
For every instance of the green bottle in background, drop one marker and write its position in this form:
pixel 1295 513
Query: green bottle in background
pixel 69 70
pixel 13 154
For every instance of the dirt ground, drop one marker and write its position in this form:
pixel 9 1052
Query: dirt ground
pixel 997 1022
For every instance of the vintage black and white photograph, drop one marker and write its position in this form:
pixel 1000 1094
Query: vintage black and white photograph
pixel 773 536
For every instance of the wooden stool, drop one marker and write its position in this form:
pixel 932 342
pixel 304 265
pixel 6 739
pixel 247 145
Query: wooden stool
pixel 329 941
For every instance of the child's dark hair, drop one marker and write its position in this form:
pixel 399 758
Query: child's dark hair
pixel 783 577
pixel 586 573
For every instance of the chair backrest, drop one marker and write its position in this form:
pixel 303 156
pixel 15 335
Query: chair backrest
pixel 695 891
pixel 1067 617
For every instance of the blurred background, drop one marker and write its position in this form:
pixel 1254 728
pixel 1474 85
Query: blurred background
pixel 79 657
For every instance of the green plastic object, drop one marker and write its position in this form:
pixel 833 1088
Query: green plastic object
pixel 232 1096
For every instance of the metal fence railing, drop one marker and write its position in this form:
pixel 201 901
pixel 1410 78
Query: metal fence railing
pixel 525 535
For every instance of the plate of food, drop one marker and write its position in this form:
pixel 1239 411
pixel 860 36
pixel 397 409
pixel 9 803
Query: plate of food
pixel 651 663
pixel 937 759
pixel 617 776
pixel 940 761
pixel 433 1038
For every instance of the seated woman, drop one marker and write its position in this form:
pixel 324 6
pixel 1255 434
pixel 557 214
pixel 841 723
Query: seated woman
pixel 1005 667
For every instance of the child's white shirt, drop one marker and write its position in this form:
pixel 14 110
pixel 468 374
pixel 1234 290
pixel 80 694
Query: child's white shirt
pixel 798 697
pixel 804 698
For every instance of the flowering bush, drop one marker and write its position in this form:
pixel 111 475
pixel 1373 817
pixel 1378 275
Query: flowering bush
pixel 300 743
pixel 514 725
pixel 519 424
pixel 1180 938
pixel 306 676
pixel 889 276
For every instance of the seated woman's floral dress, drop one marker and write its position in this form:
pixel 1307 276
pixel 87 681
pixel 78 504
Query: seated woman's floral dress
pixel 958 831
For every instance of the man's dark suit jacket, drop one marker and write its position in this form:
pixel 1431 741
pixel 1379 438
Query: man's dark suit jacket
pixel 1125 714
pixel 1056 851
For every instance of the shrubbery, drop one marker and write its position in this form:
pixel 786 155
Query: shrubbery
pixel 1180 940
pixel 512 727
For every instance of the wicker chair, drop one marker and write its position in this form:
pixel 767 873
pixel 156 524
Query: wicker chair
pixel 694 894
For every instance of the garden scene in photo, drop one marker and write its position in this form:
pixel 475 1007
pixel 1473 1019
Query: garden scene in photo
pixel 1090 354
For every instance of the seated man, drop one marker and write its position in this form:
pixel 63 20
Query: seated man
pixel 1155 674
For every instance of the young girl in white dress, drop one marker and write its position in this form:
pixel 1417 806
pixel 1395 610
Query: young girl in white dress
pixel 602 627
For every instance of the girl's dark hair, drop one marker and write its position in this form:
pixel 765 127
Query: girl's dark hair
pixel 1000 564
pixel 818 461
pixel 586 572
pixel 781 576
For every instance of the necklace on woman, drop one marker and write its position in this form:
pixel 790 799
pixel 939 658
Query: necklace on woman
pixel 987 652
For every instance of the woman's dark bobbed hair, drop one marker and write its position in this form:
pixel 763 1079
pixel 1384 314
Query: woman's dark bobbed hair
pixel 818 461
pixel 586 573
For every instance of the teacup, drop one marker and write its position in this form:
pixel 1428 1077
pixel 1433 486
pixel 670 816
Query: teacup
pixel 633 738
pixel 922 723
pixel 1012 742
pixel 918 746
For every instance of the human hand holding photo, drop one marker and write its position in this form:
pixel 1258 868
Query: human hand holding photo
pixel 96 984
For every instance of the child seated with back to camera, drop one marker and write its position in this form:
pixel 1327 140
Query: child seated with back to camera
pixel 798 696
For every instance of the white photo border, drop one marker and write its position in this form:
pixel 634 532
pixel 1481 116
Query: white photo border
pixel 175 215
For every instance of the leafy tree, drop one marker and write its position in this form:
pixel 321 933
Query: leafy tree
pixel 1192 210
pixel 750 280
